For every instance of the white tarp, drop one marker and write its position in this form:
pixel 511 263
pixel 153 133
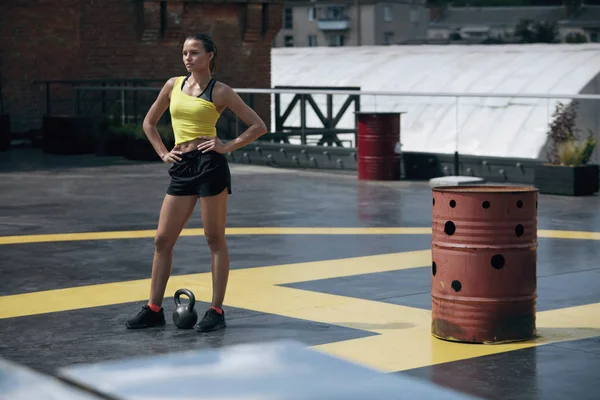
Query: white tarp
pixel 505 127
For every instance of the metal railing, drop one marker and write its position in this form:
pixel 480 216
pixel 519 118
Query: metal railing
pixel 376 104
pixel 375 93
pixel 101 84
pixel 132 102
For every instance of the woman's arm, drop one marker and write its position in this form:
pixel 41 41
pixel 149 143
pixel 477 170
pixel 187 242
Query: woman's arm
pixel 156 111
pixel 256 126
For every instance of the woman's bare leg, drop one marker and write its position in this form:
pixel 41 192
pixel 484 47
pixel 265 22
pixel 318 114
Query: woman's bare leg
pixel 174 214
pixel 214 219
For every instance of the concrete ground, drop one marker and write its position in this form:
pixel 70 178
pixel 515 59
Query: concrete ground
pixel 341 265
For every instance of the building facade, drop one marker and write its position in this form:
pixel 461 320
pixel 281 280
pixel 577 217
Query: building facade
pixel 351 23
pixel 584 22
pixel 74 40
pixel 478 24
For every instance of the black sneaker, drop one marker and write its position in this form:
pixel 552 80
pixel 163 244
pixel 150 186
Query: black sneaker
pixel 211 321
pixel 147 319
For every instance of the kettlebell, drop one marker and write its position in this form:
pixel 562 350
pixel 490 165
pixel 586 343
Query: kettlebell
pixel 184 316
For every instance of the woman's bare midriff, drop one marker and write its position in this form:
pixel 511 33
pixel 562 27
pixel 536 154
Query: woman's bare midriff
pixel 186 147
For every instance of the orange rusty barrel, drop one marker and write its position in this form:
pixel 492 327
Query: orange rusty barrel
pixel 378 133
pixel 484 257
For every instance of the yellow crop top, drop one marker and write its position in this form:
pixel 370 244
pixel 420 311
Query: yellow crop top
pixel 192 116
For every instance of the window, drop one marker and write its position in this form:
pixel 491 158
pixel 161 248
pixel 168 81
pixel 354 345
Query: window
pixel 288 41
pixel 312 40
pixel 163 18
pixel 287 18
pixel 388 38
pixel 594 36
pixel 334 13
pixel 312 14
pixel 336 40
pixel 387 13
pixel 414 15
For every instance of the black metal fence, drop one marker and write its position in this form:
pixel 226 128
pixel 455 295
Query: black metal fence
pixel 129 101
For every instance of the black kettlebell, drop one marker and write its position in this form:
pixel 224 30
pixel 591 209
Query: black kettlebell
pixel 184 316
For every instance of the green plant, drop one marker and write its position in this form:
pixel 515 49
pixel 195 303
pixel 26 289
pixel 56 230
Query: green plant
pixel 530 31
pixel 110 120
pixel 575 37
pixel 565 147
pixel 575 153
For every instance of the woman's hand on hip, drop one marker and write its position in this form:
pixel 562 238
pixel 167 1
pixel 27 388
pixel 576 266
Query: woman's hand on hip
pixel 172 156
pixel 213 143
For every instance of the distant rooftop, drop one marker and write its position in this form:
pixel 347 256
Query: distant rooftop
pixel 587 16
pixel 496 16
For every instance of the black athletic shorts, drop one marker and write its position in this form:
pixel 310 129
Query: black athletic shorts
pixel 199 174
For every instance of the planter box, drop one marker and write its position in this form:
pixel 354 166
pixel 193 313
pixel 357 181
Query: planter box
pixel 421 166
pixel 69 135
pixel 108 144
pixel 140 149
pixel 5 137
pixel 572 181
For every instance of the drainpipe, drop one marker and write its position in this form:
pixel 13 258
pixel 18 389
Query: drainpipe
pixel 358 23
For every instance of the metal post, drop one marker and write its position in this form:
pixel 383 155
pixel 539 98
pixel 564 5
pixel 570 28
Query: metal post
pixel 135 104
pixel 456 160
pixel 358 23
pixel 122 107
pixel 76 102
pixel 47 98
pixel 1 97
pixel 303 118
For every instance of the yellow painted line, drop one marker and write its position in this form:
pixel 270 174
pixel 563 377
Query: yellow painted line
pixel 63 237
pixel 138 234
pixel 349 312
pixel 337 268
pixel 402 337
pixel 560 324
pixel 581 235
pixel 68 237
pixel 329 231
pixel 414 347
pixel 245 281
pixel 93 296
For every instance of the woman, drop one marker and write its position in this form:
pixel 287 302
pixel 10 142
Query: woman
pixel 199 170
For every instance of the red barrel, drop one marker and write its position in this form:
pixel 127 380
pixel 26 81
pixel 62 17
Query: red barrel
pixel 484 257
pixel 378 134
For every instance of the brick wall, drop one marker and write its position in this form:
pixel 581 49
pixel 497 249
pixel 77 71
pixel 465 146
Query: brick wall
pixel 90 39
pixel 35 46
